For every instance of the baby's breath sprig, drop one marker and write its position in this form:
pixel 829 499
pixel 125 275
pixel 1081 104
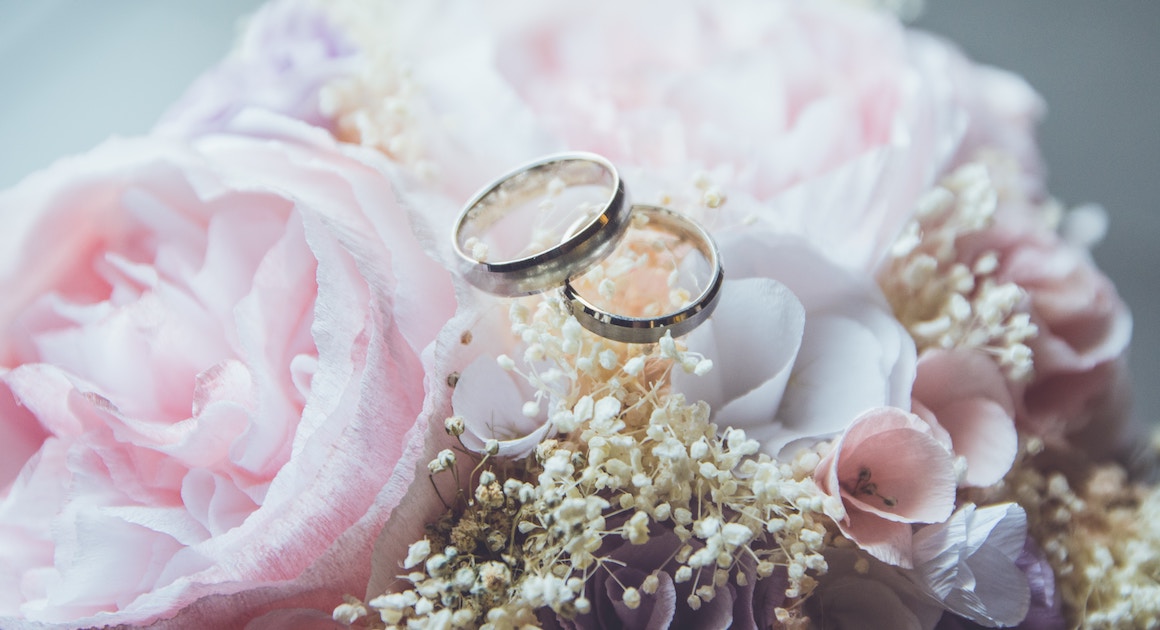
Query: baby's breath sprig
pixel 631 463
pixel 946 302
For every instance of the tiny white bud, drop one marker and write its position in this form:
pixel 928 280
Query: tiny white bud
pixel 444 460
pixel 631 598
pixel 505 362
pixel 634 366
pixel 349 613
pixel 699 449
pixel 564 421
pixel 571 329
pixel 606 288
pixel 713 197
pixel 454 426
pixel 605 409
pixel 479 251
pixel 416 553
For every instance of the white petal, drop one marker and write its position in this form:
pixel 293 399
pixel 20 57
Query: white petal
pixel 491 405
pixel 1001 596
pixel 937 552
pixel 838 376
pixel 968 563
pixel 753 340
pixel 1002 526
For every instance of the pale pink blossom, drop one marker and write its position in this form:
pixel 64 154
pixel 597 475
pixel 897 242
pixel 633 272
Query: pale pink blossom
pixel 889 471
pixel 211 359
pixel 964 393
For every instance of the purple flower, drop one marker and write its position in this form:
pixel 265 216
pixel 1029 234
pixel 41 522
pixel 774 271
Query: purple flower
pixel 288 52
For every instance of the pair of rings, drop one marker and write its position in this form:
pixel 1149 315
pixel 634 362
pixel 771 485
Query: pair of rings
pixel 592 237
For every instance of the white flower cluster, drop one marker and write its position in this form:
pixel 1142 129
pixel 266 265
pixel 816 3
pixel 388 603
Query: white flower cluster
pixel 946 302
pixel 632 461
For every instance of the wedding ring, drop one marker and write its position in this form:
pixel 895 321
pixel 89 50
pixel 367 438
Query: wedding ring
pixel 521 206
pixel 651 329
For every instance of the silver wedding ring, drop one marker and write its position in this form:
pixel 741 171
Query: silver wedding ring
pixel 652 329
pixel 550 259
pixel 587 240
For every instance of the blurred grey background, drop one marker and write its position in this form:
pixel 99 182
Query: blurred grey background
pixel 75 71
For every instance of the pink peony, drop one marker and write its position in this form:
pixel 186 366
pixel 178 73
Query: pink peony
pixel 817 119
pixel 210 378
pixel 889 471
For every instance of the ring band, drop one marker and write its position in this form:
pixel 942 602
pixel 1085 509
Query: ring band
pixel 652 329
pixel 581 247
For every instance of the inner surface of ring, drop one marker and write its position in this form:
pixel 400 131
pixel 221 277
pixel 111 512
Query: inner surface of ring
pixel 535 210
pixel 661 267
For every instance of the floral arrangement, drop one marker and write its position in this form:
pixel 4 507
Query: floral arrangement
pixel 243 386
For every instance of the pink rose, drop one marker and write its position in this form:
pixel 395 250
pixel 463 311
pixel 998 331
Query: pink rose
pixel 889 471
pixel 210 378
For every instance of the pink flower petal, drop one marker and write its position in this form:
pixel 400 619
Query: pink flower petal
pixel 889 471
pixel 967 396
pixel 945 376
pixel 984 433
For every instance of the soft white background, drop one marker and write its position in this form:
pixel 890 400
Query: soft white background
pixel 73 72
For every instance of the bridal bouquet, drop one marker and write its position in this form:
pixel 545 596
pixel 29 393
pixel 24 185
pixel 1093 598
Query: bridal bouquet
pixel 245 383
